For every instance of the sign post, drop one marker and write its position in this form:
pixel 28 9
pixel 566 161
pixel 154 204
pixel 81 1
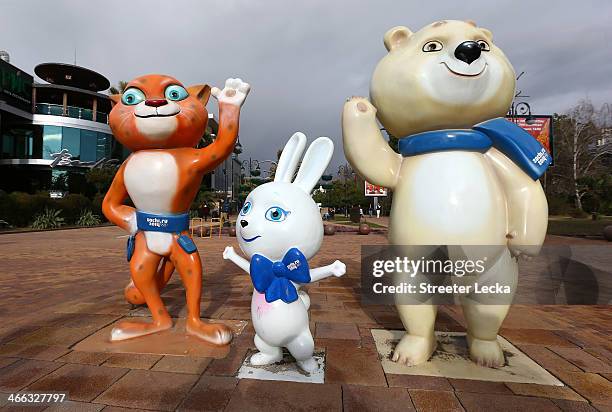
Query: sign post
pixel 371 190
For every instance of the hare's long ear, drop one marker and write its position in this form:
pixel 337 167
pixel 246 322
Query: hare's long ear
pixel 315 162
pixel 290 157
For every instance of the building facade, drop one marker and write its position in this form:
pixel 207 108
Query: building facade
pixel 53 129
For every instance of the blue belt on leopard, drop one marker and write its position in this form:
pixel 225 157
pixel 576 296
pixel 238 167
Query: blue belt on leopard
pixel 150 222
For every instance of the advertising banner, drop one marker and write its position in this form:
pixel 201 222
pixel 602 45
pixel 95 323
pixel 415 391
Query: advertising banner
pixel 15 87
pixel 374 190
pixel 540 127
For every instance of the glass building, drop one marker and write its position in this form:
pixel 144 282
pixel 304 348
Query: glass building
pixel 41 123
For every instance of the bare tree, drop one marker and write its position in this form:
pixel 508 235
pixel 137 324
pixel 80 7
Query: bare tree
pixel 581 143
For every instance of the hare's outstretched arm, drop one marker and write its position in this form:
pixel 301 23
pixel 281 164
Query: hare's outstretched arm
pixel 527 206
pixel 230 100
pixel 113 208
pixel 365 147
pixel 230 254
pixel 336 269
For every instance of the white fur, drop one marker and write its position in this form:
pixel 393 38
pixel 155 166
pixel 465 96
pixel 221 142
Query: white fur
pixel 279 324
pixel 234 92
pixel 151 179
pixel 162 121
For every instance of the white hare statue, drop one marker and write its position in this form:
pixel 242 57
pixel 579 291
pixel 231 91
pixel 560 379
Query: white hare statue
pixel 279 228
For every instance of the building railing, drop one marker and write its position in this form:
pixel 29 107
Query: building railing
pixel 71 111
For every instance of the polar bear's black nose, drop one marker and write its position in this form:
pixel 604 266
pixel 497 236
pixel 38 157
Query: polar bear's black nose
pixel 468 51
pixel 243 223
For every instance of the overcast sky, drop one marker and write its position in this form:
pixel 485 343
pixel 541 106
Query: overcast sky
pixel 303 58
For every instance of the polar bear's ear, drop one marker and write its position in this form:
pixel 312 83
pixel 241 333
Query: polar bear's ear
pixel 487 33
pixel 397 37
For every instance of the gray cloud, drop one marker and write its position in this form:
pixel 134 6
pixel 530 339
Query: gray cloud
pixel 304 58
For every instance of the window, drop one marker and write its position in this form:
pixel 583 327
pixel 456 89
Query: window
pixel 52 140
pixel 71 141
pixel 89 141
pixel 104 145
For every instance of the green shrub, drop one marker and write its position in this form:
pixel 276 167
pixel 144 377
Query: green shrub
pixel 18 208
pixel 73 206
pixel 96 204
pixel 88 218
pixel 48 219
pixel 559 205
pixel 578 214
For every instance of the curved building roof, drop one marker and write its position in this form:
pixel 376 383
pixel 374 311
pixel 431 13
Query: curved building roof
pixel 70 75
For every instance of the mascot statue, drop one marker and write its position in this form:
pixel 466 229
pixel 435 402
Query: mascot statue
pixel 161 122
pixel 464 175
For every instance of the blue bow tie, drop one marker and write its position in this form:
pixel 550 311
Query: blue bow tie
pixel 274 278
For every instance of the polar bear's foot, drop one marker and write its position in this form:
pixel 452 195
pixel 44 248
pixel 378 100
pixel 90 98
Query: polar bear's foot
pixel 309 365
pixel 260 358
pixel 413 349
pixel 486 353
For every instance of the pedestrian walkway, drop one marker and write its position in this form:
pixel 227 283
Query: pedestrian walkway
pixel 59 288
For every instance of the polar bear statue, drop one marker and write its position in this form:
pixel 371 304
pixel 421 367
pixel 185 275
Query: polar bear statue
pixel 465 175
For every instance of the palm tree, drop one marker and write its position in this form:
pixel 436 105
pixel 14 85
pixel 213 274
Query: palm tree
pixel 119 88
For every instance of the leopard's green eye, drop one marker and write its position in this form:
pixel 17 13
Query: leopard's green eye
pixel 176 92
pixel 132 96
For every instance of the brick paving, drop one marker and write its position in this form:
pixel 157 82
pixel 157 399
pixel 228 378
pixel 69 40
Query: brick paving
pixel 57 288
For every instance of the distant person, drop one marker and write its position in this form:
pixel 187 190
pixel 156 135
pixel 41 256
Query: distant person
pixel 206 212
pixel 378 208
pixel 370 211
pixel 225 211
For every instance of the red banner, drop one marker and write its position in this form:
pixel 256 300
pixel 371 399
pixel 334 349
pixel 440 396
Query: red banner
pixel 540 127
pixel 374 190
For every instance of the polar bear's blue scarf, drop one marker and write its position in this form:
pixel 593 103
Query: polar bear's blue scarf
pixel 514 142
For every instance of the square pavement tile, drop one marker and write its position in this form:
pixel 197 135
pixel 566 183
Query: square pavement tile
pixel 82 382
pixel 72 406
pixel 325 330
pixel 285 370
pixel 39 352
pixel 131 360
pixel 451 360
pixel 435 401
pixel 357 366
pixel 211 393
pixel 505 403
pixel 270 396
pixel 86 358
pixel 21 373
pixel 182 364
pixel 370 398
pixel 545 391
pixel 148 390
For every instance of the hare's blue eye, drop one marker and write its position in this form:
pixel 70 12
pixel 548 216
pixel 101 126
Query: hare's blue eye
pixel 132 96
pixel 245 209
pixel 276 214
pixel 176 92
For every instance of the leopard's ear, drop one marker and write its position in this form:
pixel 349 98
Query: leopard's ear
pixel 201 92
pixel 115 99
